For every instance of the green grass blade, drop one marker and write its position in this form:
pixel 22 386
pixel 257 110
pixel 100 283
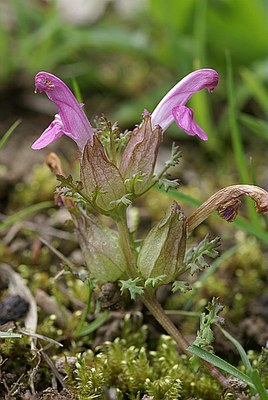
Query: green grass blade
pixel 92 326
pixel 258 385
pixel 200 29
pixel 77 91
pixel 236 137
pixel 8 133
pixel 24 213
pixel 253 172
pixel 258 90
pixel 256 125
pixel 240 350
pixel 87 308
pixel 220 363
pixel 235 133
pixel 179 196
pixel 250 228
pixel 200 101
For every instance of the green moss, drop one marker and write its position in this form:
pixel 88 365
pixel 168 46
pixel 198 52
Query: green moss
pixel 39 187
pixel 135 371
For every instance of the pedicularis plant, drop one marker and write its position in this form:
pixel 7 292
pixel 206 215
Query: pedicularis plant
pixel 118 167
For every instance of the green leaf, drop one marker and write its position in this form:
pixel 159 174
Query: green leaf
pixel 65 182
pixel 258 126
pixel 195 260
pixel 24 213
pixel 182 286
pixel 220 363
pixel 94 325
pixel 154 281
pixel 168 184
pixel 240 349
pixel 258 385
pixel 237 143
pixel 131 285
pixel 77 91
pixel 8 133
pixel 205 334
pixel 87 308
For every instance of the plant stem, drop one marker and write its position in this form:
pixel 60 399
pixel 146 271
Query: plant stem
pixel 150 301
pixel 126 245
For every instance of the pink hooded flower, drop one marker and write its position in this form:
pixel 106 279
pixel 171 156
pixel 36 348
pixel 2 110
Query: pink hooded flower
pixel 70 120
pixel 172 106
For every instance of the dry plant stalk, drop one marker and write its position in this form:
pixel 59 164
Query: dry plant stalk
pixel 227 203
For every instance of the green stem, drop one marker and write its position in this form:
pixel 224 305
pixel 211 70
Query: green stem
pixel 126 246
pixel 158 312
pixel 150 301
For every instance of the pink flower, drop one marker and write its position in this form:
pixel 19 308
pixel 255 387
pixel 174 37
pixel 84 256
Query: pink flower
pixel 172 106
pixel 70 120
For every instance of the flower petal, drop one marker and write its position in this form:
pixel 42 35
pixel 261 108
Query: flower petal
pixel 53 132
pixel 180 94
pixel 72 116
pixel 184 118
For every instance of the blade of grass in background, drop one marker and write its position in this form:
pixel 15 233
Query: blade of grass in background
pixel 258 385
pixel 256 125
pixel 237 144
pixel 240 350
pixel 86 310
pixel 252 379
pixel 92 326
pixel 256 88
pixel 8 133
pixel 253 172
pixel 24 213
pixel 235 133
pixel 200 21
pixel 77 91
pixel 199 101
pixel 220 363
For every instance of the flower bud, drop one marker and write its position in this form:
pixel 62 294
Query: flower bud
pixel 163 250
pixel 139 157
pixel 100 178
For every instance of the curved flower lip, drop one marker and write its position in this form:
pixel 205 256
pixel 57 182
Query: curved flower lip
pixel 53 132
pixel 70 120
pixel 172 106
